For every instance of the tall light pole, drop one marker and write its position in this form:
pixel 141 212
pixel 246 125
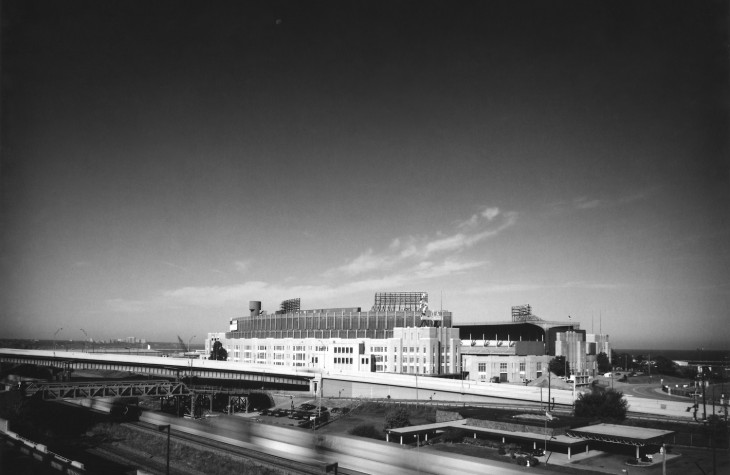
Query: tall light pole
pixel 87 337
pixel 161 428
pixel 54 340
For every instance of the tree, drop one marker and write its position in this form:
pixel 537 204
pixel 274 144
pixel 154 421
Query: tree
pixel 366 430
pixel 218 353
pixel 559 366
pixel 664 365
pixel 396 418
pixel 604 366
pixel 599 404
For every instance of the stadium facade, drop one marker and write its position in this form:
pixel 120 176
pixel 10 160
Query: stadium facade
pixel 401 334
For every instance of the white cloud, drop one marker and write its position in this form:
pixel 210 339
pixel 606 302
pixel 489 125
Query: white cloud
pixel 243 266
pixel 363 263
pixel 490 213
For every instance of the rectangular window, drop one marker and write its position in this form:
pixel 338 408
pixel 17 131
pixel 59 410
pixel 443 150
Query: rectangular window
pixel 503 367
pixel 482 367
pixel 522 367
pixel 539 365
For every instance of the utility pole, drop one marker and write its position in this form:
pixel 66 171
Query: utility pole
pixel 549 380
pixel 704 400
pixel 648 363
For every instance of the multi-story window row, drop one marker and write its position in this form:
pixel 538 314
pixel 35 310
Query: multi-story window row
pixel 342 324
pixel 424 350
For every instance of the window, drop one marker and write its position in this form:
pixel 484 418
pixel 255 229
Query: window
pixel 539 365
pixel 522 367
pixel 482 367
pixel 503 367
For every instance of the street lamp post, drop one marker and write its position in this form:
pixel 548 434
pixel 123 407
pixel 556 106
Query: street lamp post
pixel 162 428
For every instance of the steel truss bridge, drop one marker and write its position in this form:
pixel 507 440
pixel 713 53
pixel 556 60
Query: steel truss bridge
pixel 193 397
pixel 105 389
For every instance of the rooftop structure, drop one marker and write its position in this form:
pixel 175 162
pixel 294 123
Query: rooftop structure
pixel 291 305
pixel 396 301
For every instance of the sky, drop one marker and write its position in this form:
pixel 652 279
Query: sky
pixel 164 163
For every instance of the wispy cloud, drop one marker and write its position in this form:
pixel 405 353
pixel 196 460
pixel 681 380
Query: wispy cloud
pixel 127 306
pixel 243 266
pixel 587 203
pixel 406 251
pixel 175 266
pixel 405 261
pixel 529 287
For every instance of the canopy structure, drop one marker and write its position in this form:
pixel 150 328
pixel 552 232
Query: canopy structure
pixel 627 435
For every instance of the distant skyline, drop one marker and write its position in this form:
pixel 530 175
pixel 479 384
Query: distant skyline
pixel 164 163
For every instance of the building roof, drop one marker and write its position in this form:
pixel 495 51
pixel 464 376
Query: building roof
pixel 461 424
pixel 621 434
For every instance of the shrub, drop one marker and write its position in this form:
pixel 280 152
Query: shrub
pixel 502 451
pixel 366 430
pixel 454 435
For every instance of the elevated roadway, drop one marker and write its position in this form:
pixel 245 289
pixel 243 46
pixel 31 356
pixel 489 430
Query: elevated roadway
pixel 163 367
pixel 326 383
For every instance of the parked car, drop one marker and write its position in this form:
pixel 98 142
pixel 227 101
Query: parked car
pixel 319 417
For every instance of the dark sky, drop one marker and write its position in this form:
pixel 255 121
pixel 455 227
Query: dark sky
pixel 163 163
